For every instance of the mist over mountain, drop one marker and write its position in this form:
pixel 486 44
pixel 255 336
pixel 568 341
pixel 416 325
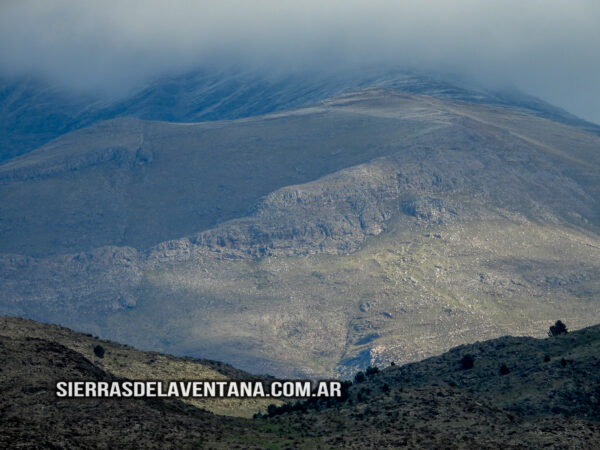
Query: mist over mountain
pixel 111 48
pixel 33 112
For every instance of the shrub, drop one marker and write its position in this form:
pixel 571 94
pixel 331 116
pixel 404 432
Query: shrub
pixel 467 362
pixel 385 388
pixel 557 329
pixel 564 362
pixel 504 370
pixel 99 351
pixel 547 358
pixel 359 377
pixel 272 410
pixel 345 390
pixel 372 371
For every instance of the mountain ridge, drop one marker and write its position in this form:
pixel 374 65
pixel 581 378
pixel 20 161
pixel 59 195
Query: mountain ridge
pixel 34 112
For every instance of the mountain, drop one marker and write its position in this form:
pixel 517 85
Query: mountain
pixel 547 396
pixel 33 112
pixel 378 225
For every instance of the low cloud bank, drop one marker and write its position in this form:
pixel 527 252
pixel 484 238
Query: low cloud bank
pixel 547 48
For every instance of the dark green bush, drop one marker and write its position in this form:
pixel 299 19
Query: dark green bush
pixel 272 410
pixel 99 351
pixel 557 329
pixel 372 371
pixel 345 390
pixel 467 362
pixel 359 377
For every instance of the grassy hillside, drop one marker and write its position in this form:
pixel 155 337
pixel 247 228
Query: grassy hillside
pixel 547 397
pixel 127 362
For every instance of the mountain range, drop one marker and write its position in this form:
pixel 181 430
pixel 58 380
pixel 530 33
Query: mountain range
pixel 299 228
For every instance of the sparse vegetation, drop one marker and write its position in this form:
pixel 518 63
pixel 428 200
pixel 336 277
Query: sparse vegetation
pixel 425 267
pixel 128 362
pixel 475 409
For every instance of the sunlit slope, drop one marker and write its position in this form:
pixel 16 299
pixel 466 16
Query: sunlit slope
pixel 409 293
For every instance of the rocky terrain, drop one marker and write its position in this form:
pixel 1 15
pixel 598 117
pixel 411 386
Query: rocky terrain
pixel 517 393
pixel 380 225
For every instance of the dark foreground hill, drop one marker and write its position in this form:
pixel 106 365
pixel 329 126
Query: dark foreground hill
pixel 547 399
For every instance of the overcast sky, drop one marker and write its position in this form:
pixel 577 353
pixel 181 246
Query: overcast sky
pixel 544 47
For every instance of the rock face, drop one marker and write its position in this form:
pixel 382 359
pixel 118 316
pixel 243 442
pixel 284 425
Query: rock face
pixel 260 241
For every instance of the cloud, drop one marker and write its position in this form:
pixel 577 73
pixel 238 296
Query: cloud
pixel 550 48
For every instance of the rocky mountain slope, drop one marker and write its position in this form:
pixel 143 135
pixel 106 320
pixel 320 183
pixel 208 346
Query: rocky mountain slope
pixel 547 396
pixel 33 112
pixel 376 226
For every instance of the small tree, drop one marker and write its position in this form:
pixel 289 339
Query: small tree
pixel 359 377
pixel 557 329
pixel 346 385
pixel 272 410
pixel 372 371
pixel 467 362
pixel 99 351
pixel 504 370
pixel 563 362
